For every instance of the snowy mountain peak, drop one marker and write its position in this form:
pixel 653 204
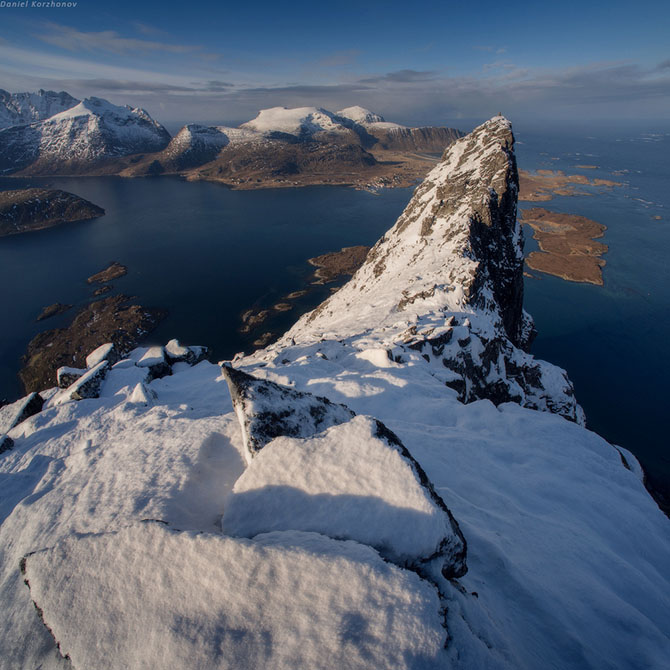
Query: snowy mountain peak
pixel 22 108
pixel 92 130
pixel 297 121
pixel 360 115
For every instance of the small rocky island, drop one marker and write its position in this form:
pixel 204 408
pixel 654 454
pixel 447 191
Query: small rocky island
pixel 336 264
pixel 568 246
pixel 543 185
pixel 30 209
pixel 113 271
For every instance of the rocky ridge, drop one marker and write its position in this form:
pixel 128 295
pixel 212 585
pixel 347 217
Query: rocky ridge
pixel 18 109
pixel 445 285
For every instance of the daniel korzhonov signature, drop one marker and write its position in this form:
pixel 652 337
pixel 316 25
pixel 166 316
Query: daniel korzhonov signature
pixel 37 4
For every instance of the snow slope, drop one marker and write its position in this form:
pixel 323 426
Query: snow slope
pixel 568 558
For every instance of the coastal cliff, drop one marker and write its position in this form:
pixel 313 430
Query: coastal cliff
pixel 395 483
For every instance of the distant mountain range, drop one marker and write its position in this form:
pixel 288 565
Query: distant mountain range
pixel 54 133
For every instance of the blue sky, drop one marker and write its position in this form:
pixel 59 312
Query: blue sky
pixel 414 62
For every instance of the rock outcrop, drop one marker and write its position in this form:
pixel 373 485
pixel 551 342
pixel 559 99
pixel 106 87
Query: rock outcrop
pixel 267 410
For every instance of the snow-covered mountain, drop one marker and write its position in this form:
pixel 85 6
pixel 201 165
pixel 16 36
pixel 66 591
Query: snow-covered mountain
pixel 396 483
pixel 302 122
pixel 363 116
pixel 80 137
pixel 18 109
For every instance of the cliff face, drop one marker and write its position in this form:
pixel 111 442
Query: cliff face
pixel 429 139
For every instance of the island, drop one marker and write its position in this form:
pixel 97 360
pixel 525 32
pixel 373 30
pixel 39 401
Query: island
pixel 543 185
pixel 336 264
pixel 53 310
pixel 113 271
pixel 29 209
pixel 567 245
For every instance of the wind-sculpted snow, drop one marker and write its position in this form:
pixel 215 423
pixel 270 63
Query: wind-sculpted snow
pixel 283 601
pixel 355 481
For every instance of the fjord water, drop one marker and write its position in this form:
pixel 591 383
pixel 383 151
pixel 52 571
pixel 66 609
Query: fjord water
pixel 612 339
pixel 198 249
pixel 207 254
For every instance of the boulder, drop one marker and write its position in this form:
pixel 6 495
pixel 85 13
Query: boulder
pixel 66 376
pixel 88 386
pixel 148 596
pixel 178 353
pixel 267 410
pixel 105 352
pixel 141 395
pixel 155 362
pixel 13 414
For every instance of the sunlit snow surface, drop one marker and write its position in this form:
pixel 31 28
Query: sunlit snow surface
pixel 568 556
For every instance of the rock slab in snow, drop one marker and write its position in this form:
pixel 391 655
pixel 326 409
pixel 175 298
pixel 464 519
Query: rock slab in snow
pixel 267 410
pixel 355 481
pixel 177 353
pixel 105 352
pixel 13 414
pixel 66 376
pixel 89 385
pixel 150 597
pixel 155 362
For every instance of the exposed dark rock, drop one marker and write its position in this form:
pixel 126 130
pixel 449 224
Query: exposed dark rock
pixel 37 208
pixel 88 386
pixel 6 443
pixel 12 415
pixel 156 363
pixel 53 310
pixel 267 410
pixel 66 376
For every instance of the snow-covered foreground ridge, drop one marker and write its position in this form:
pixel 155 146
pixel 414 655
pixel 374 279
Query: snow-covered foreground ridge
pixel 396 483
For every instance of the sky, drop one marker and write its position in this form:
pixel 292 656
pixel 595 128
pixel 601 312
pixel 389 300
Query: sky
pixel 414 62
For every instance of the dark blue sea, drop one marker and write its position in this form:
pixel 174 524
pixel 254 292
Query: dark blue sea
pixel 208 254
